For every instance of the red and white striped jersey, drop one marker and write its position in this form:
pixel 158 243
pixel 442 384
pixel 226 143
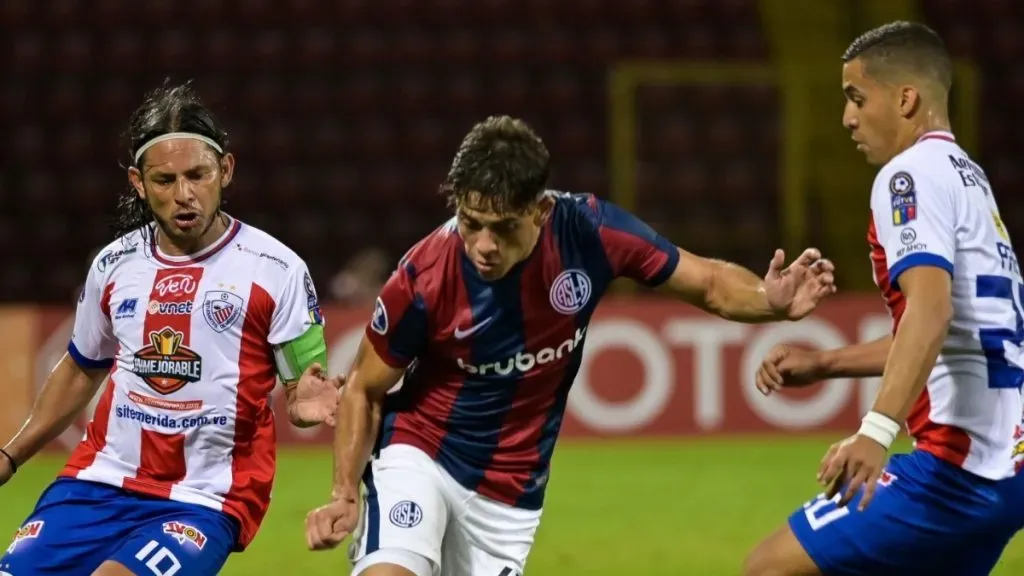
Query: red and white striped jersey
pixel 932 205
pixel 186 413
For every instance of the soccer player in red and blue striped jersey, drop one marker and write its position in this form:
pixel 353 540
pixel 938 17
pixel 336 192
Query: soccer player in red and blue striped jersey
pixel 486 319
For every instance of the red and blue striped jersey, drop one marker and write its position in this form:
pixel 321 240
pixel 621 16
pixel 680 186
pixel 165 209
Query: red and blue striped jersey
pixel 489 364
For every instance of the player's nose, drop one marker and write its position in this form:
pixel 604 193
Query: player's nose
pixel 485 243
pixel 849 120
pixel 184 192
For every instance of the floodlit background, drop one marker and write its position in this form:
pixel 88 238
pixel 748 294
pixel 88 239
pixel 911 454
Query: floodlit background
pixel 717 121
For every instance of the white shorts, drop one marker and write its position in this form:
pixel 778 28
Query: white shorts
pixel 414 505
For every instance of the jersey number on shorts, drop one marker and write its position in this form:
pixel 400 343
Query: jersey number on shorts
pixel 1001 372
pixel 158 559
pixel 824 511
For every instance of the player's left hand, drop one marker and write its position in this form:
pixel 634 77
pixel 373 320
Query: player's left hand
pixel 795 291
pixel 314 398
pixel 857 462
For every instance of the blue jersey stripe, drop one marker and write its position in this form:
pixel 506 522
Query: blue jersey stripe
pixel 588 255
pixel 479 410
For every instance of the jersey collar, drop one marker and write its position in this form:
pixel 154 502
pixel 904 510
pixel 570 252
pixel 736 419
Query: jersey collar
pixel 937 135
pixel 233 227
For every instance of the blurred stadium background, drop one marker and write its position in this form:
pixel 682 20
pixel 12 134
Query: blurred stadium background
pixel 718 121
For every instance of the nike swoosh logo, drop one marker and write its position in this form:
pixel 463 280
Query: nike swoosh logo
pixel 461 334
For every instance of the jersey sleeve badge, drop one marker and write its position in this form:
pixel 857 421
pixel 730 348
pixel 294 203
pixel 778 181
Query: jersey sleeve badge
pixel 379 324
pixel 903 198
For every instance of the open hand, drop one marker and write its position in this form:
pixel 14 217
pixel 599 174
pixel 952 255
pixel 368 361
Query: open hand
pixel 314 398
pixel 796 290
pixel 857 462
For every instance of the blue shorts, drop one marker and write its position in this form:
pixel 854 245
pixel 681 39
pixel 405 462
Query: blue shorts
pixel 78 525
pixel 927 517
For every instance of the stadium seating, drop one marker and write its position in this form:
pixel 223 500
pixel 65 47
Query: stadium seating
pixel 344 115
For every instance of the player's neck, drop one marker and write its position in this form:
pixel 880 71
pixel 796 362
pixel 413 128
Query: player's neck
pixel 930 122
pixel 168 246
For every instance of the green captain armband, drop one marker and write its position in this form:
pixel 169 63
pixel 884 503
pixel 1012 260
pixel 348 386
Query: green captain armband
pixel 295 356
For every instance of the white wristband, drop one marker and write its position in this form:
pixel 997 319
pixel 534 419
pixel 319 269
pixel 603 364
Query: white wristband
pixel 879 428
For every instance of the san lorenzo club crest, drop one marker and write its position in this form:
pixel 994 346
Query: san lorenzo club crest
pixel 570 291
pixel 221 309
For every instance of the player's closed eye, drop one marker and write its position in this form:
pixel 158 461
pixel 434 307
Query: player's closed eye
pixel 505 227
pixel 471 224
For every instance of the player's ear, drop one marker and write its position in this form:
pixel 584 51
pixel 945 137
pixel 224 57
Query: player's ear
pixel 135 179
pixel 227 169
pixel 910 101
pixel 544 207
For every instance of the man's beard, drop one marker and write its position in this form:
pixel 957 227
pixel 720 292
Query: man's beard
pixel 170 230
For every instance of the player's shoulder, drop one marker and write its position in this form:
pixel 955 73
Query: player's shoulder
pixel 430 254
pixel 264 251
pixel 125 248
pixel 577 212
pixel 932 160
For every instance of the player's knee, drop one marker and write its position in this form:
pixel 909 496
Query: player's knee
pixel 112 568
pixel 781 554
pixel 393 562
pixel 759 562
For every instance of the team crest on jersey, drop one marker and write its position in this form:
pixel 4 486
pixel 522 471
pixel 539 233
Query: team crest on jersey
pixel 903 197
pixel 221 309
pixel 185 533
pixel 26 532
pixel 570 291
pixel 379 324
pixel 166 365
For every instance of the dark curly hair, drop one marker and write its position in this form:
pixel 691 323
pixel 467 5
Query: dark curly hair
pixel 169 108
pixel 503 161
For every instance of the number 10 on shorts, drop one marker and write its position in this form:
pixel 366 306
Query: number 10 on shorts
pixel 158 559
pixel 823 511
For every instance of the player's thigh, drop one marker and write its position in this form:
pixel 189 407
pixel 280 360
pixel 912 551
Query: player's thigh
pixel 393 562
pixel 404 507
pixel 177 539
pixel 489 539
pixel 73 528
pixel 918 522
pixel 780 554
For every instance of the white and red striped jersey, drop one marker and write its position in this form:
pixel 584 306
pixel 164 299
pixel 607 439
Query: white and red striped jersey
pixel 186 413
pixel 932 205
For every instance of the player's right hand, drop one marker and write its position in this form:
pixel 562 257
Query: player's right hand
pixel 328 525
pixel 788 366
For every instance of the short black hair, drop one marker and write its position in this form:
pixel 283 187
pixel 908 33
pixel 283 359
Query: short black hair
pixel 903 47
pixel 169 108
pixel 503 161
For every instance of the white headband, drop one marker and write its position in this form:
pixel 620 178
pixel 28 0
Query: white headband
pixel 174 136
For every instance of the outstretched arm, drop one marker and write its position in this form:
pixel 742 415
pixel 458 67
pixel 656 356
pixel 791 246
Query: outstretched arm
pixel 788 366
pixel 864 360
pixel 65 394
pixel 735 293
pixel 636 251
pixel 722 288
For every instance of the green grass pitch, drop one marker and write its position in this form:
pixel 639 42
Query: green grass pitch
pixel 636 507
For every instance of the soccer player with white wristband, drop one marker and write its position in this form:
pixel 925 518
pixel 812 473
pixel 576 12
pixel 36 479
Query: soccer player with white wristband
pixel 952 370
